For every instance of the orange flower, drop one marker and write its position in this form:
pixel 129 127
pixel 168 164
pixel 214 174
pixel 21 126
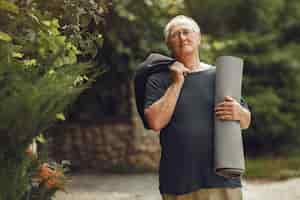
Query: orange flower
pixel 51 178
pixel 54 183
pixel 46 172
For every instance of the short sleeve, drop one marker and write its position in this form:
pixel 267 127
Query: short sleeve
pixel 244 104
pixel 156 87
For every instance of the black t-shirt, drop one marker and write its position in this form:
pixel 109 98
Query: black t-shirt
pixel 187 141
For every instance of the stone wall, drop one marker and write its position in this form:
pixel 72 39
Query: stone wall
pixel 106 145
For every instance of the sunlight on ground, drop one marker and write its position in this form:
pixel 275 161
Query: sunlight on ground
pixel 145 187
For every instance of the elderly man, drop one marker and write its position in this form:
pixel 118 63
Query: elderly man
pixel 180 104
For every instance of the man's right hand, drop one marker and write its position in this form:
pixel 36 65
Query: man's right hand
pixel 178 71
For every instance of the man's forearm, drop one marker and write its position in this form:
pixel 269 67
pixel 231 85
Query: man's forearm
pixel 245 118
pixel 160 112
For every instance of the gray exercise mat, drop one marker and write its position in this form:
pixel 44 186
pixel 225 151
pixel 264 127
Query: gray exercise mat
pixel 228 144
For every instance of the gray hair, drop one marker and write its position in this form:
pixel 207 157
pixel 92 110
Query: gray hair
pixel 180 20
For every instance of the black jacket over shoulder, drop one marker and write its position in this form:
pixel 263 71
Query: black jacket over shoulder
pixel 154 63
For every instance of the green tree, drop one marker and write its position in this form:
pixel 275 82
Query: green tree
pixel 40 78
pixel 264 33
pixel 133 30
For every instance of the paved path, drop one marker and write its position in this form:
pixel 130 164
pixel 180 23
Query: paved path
pixel 145 187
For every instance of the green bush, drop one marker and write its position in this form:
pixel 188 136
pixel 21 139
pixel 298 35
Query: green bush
pixel 40 77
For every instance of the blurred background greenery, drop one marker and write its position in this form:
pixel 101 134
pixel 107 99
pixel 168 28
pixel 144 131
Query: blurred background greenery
pixel 264 33
pixel 39 37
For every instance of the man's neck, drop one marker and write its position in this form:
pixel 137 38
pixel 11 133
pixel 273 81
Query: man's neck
pixel 192 61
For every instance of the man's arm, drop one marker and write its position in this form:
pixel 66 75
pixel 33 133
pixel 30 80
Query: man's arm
pixel 245 118
pixel 160 112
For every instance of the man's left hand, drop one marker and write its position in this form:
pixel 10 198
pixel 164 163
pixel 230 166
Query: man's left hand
pixel 229 109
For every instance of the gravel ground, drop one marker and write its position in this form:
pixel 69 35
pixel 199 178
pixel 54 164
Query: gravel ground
pixel 145 187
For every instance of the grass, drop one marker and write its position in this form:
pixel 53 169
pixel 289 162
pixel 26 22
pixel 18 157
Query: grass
pixel 273 168
pixel 267 169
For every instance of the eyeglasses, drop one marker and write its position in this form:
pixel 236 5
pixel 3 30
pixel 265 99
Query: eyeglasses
pixel 184 32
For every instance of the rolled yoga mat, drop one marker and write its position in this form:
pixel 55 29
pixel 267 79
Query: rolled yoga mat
pixel 228 145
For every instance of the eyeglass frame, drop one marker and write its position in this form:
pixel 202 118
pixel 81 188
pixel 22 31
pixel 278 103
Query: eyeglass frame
pixel 185 31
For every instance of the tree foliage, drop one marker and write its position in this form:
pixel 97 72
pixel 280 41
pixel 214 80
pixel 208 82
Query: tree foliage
pixel 40 76
pixel 264 33
pixel 133 30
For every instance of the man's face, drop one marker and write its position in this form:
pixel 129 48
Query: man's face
pixel 183 40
